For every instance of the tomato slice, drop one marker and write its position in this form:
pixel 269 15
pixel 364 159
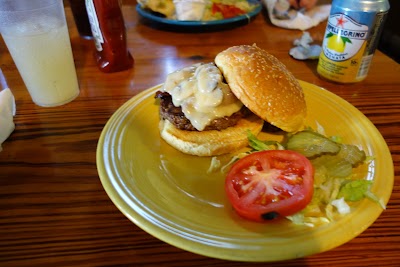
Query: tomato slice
pixel 268 184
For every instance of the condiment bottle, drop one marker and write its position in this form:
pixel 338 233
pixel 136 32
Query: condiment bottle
pixel 108 29
pixel 81 19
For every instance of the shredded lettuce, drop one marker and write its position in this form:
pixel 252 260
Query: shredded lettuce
pixel 354 190
pixel 233 160
pixel 375 199
pixel 334 183
pixel 259 145
pixel 300 219
pixel 341 206
pixel 215 165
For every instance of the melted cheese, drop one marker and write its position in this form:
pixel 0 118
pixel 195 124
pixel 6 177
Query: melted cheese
pixel 201 93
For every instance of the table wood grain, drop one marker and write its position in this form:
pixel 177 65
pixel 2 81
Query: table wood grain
pixel 53 208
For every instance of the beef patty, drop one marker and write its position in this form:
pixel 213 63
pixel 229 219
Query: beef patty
pixel 175 115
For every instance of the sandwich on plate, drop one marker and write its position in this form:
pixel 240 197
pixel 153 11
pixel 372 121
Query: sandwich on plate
pixel 208 109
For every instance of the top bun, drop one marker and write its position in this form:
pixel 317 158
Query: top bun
pixel 264 85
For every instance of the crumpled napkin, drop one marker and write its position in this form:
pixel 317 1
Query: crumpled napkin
pixel 7 112
pixel 304 49
pixel 309 19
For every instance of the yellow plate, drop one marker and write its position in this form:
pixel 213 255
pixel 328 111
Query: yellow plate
pixel 170 195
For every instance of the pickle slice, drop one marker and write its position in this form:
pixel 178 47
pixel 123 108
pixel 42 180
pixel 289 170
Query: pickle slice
pixel 352 154
pixel 311 144
pixel 335 165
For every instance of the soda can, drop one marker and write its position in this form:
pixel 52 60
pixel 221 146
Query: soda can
pixel 351 38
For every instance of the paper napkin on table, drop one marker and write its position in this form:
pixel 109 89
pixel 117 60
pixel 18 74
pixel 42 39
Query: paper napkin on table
pixel 301 21
pixel 7 112
pixel 304 49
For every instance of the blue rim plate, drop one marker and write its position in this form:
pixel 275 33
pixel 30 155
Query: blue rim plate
pixel 199 24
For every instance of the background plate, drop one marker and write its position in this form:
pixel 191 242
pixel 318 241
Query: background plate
pixel 170 195
pixel 156 20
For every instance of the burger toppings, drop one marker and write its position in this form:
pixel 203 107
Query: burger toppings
pixel 200 96
pixel 175 115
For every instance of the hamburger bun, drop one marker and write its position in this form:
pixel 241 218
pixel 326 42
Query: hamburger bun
pixel 264 85
pixel 212 142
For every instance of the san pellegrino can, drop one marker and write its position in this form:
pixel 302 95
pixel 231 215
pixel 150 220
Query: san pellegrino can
pixel 351 38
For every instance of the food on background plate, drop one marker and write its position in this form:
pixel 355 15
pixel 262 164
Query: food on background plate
pixel 163 7
pixel 207 109
pixel 225 9
pixel 196 10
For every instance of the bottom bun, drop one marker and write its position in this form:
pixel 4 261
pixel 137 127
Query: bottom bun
pixel 211 143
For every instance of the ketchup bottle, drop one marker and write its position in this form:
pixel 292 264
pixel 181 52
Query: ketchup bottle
pixel 109 35
pixel 81 19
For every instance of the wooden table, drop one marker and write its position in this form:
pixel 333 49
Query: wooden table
pixel 53 208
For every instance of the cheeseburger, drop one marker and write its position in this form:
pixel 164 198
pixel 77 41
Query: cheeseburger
pixel 207 109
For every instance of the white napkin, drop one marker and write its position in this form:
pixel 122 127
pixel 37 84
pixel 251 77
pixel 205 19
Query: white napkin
pixel 190 9
pixel 304 49
pixel 7 112
pixel 302 22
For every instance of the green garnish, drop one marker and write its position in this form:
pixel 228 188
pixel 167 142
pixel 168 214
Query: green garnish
pixel 354 190
pixel 259 145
